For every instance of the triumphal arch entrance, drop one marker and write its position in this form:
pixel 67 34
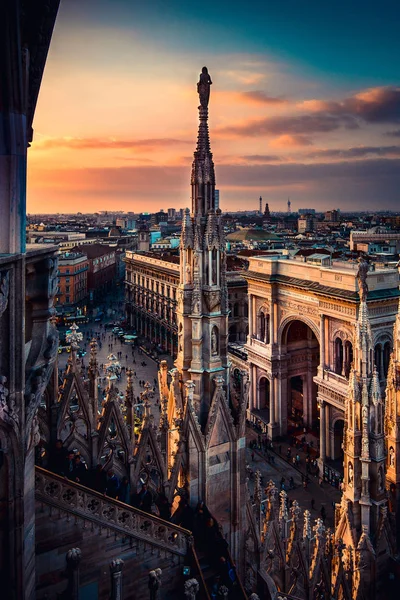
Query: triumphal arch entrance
pixel 302 323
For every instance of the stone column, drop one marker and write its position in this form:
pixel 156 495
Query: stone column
pixel 116 567
pixel 253 316
pixel 73 558
pixel 218 266
pixel 272 337
pixel 209 267
pixel 322 433
pixel 253 400
pixel 272 388
pixel 275 324
pixel 250 316
pixel 322 344
pixel 310 397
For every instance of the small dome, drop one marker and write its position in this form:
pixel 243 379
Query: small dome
pixel 252 235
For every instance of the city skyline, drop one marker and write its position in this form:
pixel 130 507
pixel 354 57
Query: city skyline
pixel 115 124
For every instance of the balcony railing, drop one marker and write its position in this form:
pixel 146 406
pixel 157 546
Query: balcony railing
pixel 104 512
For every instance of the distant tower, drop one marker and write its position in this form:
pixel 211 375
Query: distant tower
pixel 267 214
pixel 260 210
pixel 289 204
pixel 144 240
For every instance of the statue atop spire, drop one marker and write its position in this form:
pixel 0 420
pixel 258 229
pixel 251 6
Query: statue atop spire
pixel 203 87
pixel 203 175
pixel 362 273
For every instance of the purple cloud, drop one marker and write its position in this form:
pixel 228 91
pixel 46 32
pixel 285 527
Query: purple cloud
pixel 260 97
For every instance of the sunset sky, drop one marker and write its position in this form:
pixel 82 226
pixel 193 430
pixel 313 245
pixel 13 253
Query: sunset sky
pixel 305 103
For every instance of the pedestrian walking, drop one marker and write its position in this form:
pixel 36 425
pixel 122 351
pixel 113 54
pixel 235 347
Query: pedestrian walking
pixel 252 456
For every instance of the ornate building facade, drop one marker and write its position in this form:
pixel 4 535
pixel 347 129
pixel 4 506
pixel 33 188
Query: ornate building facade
pixel 151 301
pixel 302 341
pixel 198 449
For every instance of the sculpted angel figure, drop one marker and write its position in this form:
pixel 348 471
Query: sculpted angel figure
pixel 203 87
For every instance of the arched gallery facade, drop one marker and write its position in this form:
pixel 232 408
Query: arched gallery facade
pixel 302 323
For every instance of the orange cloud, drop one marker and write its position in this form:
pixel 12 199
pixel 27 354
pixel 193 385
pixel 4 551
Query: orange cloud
pixel 288 141
pixel 106 143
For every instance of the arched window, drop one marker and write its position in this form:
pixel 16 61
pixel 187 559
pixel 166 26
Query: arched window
pixel 261 335
pixel 263 327
pixel 387 350
pixel 338 356
pixel 379 360
pixel 246 309
pixel 263 394
pixel 348 358
pixel 236 309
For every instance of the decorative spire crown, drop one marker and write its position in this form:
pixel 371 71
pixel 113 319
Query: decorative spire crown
pixel 203 175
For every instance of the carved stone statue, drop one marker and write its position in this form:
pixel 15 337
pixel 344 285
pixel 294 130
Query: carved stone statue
pixel 380 479
pixel 203 87
pixel 188 274
pixel 214 342
pixel 391 456
pixel 154 583
pixel 191 588
pixel 362 273
pixel 350 474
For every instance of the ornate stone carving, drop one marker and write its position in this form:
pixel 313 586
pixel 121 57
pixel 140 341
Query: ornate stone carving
pixel 4 290
pixel 362 274
pixel 106 512
pixel 73 557
pixel 191 588
pixel 339 308
pixel 212 300
pixel 154 583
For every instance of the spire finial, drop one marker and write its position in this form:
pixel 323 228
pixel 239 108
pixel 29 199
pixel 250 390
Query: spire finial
pixel 203 87
pixel 203 176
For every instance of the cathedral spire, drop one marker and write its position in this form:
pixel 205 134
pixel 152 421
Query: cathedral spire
pixel 392 428
pixel 363 441
pixel 203 175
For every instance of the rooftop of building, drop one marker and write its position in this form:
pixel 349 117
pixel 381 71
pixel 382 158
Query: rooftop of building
pixel 251 234
pixel 67 257
pixel 93 250
pixel 320 274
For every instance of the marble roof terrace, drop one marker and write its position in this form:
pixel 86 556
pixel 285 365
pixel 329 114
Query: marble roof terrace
pixel 337 280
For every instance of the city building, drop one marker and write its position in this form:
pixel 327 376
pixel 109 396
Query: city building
pixel 151 302
pixel 323 347
pixel 302 315
pixel 101 268
pixel 306 223
pixel 332 216
pixel 248 237
pixel 376 240
pixel 72 279
pixel 144 240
